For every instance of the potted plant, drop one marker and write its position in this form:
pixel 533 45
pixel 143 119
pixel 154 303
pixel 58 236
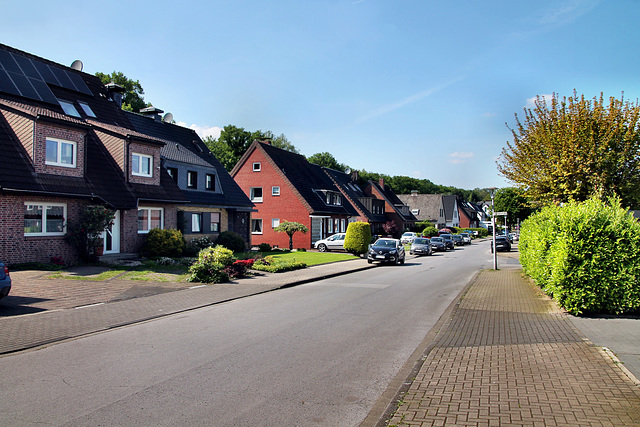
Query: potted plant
pixel 86 235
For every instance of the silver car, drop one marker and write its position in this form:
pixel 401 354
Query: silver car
pixel 421 246
pixel 331 243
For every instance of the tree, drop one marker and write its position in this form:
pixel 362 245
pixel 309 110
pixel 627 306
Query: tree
pixel 514 202
pixel 281 141
pixel 132 100
pixel 326 160
pixel 574 149
pixel 291 228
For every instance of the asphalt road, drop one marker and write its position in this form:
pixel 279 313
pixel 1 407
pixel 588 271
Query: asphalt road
pixel 317 354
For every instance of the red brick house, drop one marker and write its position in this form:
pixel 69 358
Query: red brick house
pixel 285 187
pixel 67 144
pixel 395 210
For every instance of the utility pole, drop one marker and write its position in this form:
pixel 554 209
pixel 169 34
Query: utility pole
pixel 493 223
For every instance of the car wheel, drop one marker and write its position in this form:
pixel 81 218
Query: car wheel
pixel 402 261
pixel 323 248
pixel 369 261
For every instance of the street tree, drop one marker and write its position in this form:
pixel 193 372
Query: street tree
pixel 574 149
pixel 513 201
pixel 291 228
pixel 132 99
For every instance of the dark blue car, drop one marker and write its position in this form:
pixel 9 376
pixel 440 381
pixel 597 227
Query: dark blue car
pixel 5 280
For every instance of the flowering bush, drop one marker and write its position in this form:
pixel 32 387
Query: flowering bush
pixel 239 268
pixel 210 265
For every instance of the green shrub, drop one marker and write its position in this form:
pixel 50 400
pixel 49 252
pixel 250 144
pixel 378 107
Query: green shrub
pixel 159 242
pixel 585 256
pixel 429 231
pixel 274 265
pixel 210 265
pixel 231 240
pixel 358 238
pixel 264 247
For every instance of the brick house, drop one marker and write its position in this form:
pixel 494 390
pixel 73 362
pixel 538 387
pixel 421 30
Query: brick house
pixel 395 210
pixel 67 144
pixel 426 207
pixel 285 187
pixel 215 202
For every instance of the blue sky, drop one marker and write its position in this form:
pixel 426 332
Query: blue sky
pixel 402 87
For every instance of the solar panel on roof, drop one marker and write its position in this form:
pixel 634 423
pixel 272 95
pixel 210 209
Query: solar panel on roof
pixel 8 63
pixel 43 90
pixel 46 73
pixel 63 78
pixel 27 67
pixel 6 84
pixel 23 85
pixel 80 84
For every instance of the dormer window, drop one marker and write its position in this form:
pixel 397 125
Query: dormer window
pixel 60 153
pixel 68 108
pixel 87 110
pixel 141 165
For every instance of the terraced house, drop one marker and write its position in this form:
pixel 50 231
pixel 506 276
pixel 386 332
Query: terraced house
pixel 66 144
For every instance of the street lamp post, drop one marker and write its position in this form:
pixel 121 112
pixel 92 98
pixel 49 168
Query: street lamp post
pixel 493 226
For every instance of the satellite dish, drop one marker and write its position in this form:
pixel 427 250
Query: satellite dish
pixel 347 171
pixel 77 65
pixel 168 118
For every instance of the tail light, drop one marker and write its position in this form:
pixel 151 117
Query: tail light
pixel 6 270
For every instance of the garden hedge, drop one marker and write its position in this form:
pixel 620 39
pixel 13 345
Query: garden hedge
pixel 584 255
pixel 358 238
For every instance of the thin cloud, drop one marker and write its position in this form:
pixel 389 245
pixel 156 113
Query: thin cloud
pixel 457 158
pixel 406 101
pixel 568 12
pixel 204 131
pixel 546 98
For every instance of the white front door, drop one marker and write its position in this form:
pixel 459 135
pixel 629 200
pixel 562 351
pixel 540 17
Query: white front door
pixel 111 236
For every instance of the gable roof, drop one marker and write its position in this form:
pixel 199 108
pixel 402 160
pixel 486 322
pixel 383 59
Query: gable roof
pixel 307 179
pixel 185 146
pixel 354 193
pixel 392 199
pixel 429 205
pixel 449 202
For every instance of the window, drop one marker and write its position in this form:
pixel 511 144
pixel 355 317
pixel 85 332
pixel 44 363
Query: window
pixel 343 225
pixel 210 183
pixel 150 218
pixel 44 219
pixel 173 173
pixel 415 211
pixel 214 224
pixel 330 226
pixel 275 191
pixel 255 194
pixel 275 222
pixel 87 110
pixel 257 167
pixel 336 225
pixel 196 220
pixel 192 179
pixel 338 199
pixel 60 153
pixel 68 108
pixel 256 226
pixel 141 164
pixel 329 198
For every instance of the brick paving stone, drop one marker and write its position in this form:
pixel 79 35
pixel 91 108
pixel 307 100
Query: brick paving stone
pixel 509 356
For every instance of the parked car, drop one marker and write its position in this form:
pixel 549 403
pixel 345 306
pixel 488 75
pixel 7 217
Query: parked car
pixel 473 233
pixel 421 246
pixel 438 245
pixel 466 238
pixel 331 243
pixel 502 244
pixel 408 237
pixel 448 240
pixel 457 240
pixel 513 236
pixel 386 251
pixel 5 280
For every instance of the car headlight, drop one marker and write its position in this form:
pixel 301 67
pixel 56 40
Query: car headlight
pixel 393 252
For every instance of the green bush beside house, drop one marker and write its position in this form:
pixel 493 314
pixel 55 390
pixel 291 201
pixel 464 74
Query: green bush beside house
pixel 358 238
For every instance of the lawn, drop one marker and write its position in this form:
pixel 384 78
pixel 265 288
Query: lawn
pixel 312 258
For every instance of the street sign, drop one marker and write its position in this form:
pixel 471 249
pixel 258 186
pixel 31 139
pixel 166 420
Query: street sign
pixel 500 213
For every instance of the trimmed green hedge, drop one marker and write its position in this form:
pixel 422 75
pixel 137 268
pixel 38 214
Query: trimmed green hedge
pixel 358 238
pixel 584 255
pixel 274 265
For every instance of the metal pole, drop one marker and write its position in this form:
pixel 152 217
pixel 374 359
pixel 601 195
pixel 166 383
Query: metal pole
pixel 493 222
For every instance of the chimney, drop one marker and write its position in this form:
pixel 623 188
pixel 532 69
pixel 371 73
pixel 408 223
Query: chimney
pixel 381 182
pixel 115 92
pixel 355 176
pixel 414 193
pixel 152 112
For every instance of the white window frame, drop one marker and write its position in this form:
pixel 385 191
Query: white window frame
pixel 330 226
pixel 43 221
pixel 192 179
pixel 275 222
pixel 149 210
pixel 210 182
pixel 257 166
pixel 256 221
pixel 196 222
pixel 59 144
pixel 275 190
pixel 140 158
pixel 252 195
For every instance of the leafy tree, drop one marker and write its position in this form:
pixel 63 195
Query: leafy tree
pixel 326 160
pixel 221 151
pixel 132 100
pixel 514 202
pixel 574 149
pixel 281 141
pixel 291 228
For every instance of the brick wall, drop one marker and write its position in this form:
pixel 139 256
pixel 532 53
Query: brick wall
pixel 44 131
pixel 149 150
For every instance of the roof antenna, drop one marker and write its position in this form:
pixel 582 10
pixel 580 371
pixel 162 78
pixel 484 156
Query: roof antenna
pixel 77 65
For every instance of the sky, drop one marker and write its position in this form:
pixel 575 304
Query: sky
pixel 420 88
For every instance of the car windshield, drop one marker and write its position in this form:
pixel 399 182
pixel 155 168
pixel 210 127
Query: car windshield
pixel 385 243
pixel 421 241
pixel 436 239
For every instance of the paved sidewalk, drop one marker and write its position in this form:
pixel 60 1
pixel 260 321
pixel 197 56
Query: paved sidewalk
pixel 83 307
pixel 508 356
